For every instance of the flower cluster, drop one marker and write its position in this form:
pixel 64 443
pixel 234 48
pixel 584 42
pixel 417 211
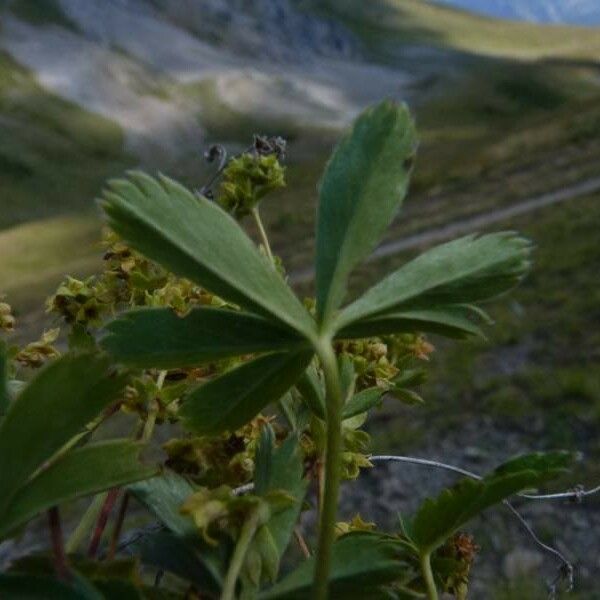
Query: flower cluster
pixel 247 179
pixel 209 460
pixel 7 320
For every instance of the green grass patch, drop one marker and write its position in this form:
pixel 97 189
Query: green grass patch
pixel 541 361
pixel 54 155
pixel 36 257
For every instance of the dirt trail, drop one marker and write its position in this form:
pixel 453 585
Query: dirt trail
pixel 471 224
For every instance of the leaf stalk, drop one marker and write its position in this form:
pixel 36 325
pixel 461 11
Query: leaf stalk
pixel 327 518
pixel 239 555
pixel 427 573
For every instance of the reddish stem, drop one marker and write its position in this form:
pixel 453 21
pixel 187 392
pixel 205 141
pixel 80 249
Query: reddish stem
pixel 118 527
pixel 107 507
pixel 58 548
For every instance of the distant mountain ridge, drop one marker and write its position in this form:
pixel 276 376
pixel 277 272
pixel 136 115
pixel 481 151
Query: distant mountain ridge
pixel 574 12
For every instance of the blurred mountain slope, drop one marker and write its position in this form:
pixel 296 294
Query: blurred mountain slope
pixel 576 12
pixel 88 89
pixel 425 23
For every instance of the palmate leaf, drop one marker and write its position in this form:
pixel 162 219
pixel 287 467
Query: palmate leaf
pixel 52 408
pixel 439 518
pixel 363 186
pixel 81 472
pixel 361 564
pixel 157 337
pixel 451 321
pixel 195 238
pixel 470 269
pixel 233 399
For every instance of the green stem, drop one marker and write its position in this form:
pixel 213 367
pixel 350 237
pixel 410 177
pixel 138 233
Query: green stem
pixel 239 555
pixel 153 411
pixel 333 452
pixel 428 576
pixel 87 522
pixel 263 234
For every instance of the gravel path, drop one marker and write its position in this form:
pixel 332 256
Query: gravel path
pixel 471 224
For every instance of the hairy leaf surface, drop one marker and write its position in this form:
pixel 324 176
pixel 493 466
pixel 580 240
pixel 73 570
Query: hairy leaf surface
pixel 470 269
pixel 195 238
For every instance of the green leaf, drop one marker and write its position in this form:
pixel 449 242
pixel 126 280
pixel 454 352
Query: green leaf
pixel 53 408
pixel 362 188
pixel 470 269
pixel 163 496
pixel 4 401
pixel 450 321
pixel 361 564
pixel 233 399
pixel 281 469
pixel 164 550
pixel 362 402
pixel 81 472
pixel 549 463
pixel 347 376
pixel 195 238
pixel 311 388
pixel 263 460
pixel 16 586
pixel 407 396
pixel 157 337
pixel 439 518
pixel 90 580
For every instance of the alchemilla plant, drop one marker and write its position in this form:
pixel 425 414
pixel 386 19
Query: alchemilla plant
pixel 193 332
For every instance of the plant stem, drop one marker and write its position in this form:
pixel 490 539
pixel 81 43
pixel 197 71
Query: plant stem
pixel 428 576
pixel 239 555
pixel 263 234
pixel 58 549
pixel 86 523
pixel 153 411
pixel 327 518
pixel 301 542
pixel 107 507
pixel 114 541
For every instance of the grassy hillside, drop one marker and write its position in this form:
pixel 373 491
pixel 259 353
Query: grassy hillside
pixel 36 256
pixel 384 22
pixel 53 155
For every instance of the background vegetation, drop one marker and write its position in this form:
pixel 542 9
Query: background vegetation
pixel 506 112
